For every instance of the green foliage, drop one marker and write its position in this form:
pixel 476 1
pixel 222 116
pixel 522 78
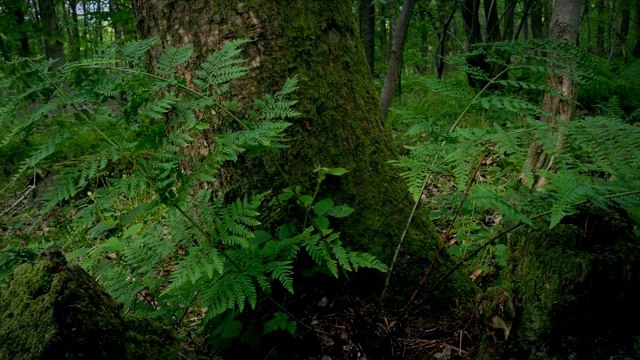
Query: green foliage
pixel 598 163
pixel 138 221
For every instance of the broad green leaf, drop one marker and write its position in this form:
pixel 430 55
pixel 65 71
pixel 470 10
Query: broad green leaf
pixel 306 200
pixel 323 206
pixel 340 211
pixel 322 222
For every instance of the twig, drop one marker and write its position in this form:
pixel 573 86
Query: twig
pixel 29 189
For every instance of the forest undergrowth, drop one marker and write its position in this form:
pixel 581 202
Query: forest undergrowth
pixel 91 158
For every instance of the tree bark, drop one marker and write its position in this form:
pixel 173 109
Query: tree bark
pixel 565 23
pixel 445 20
pixel 366 12
pixel 636 49
pixel 395 62
pixel 340 123
pixel 424 39
pixel 53 47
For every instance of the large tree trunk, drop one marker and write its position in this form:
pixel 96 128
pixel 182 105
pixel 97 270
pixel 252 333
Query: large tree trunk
pixel 565 23
pixel 340 123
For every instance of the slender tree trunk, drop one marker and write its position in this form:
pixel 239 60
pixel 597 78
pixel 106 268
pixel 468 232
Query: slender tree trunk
pixel 424 39
pixel 565 24
pixel 509 10
pixel 536 19
pixel 636 49
pixel 600 27
pixel 395 62
pixel 470 15
pixel 113 9
pixel 86 32
pixel 22 33
pixel 340 123
pixel 366 12
pixel 53 47
pixel 625 20
pixel 492 22
pixel 492 30
pixel 74 39
pixel 524 22
pixel 442 42
pixel 383 11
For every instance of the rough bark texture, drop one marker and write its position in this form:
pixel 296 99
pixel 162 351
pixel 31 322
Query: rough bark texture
pixel 395 62
pixel 340 123
pixel 565 23
pixel 55 310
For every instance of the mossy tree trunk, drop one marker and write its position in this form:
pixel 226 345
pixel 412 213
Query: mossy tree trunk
pixel 340 123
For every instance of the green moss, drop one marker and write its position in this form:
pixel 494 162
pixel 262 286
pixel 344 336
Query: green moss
pixel 55 310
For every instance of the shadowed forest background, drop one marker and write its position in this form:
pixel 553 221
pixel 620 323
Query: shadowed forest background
pixel 373 179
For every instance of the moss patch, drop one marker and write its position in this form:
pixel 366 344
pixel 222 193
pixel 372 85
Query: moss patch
pixel 55 310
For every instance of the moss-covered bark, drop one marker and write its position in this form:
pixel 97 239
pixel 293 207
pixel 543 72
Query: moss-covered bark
pixel 340 123
pixel 574 288
pixel 55 310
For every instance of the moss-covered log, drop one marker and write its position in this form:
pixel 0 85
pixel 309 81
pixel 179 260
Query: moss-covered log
pixel 340 123
pixel 575 291
pixel 55 310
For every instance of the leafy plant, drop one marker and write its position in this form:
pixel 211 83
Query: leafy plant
pixel 598 164
pixel 138 221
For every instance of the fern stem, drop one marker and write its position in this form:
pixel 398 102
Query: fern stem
pixel 445 237
pixel 402 237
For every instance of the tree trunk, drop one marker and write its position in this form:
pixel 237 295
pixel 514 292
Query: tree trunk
pixel 74 40
pixel 565 23
pixel 470 15
pixel 625 20
pixel 636 49
pixel 113 9
pixel 424 39
pixel 509 10
pixel 366 12
pixel 383 10
pixel 536 19
pixel 53 47
pixel 600 27
pixel 340 123
pixel 445 20
pixel 395 63
pixel 23 36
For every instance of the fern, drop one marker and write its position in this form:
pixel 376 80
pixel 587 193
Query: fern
pixel 598 165
pixel 138 225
